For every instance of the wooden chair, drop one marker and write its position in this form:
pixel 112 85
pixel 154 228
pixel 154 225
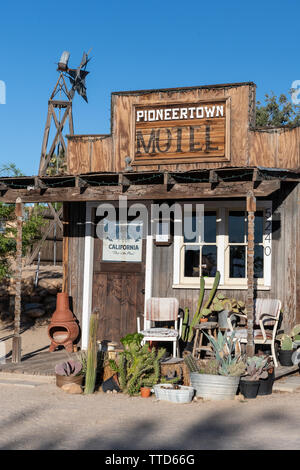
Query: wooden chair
pixel 162 309
pixel 267 313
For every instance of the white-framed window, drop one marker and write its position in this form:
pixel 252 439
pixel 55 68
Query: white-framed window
pixel 224 247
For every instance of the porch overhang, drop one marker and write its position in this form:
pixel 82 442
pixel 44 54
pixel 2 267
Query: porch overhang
pixel 226 182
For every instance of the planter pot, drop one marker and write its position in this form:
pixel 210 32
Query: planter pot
pixel 145 392
pixel 249 388
pixel 222 318
pixel 68 379
pixel 285 357
pixel 214 387
pixel 111 384
pixel 203 320
pixel 166 392
pixel 266 385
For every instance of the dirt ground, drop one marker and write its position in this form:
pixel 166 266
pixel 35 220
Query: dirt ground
pixel 45 417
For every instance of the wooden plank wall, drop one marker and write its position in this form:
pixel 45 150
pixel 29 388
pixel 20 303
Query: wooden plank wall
pixel 275 148
pixel 75 232
pixel 47 248
pixel 285 262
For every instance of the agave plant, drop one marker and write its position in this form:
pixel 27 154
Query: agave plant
pixel 230 363
pixel 68 368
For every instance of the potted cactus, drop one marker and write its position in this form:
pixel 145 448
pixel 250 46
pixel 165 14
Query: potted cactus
pixel 256 369
pixel 219 378
pixel 287 345
pixel 69 372
pixel 137 366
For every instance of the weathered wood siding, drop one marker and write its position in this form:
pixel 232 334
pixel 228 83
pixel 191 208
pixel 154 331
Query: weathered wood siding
pixel 74 259
pixel 285 262
pixel 275 148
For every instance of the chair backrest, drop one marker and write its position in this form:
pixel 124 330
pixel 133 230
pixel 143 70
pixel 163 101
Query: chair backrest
pixel 270 306
pixel 162 309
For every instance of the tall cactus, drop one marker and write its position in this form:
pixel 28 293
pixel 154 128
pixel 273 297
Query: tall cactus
pixel 197 315
pixel 211 295
pixel 91 370
pixel 185 325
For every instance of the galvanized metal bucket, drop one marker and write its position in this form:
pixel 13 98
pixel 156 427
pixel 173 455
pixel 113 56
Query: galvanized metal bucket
pixel 214 387
pixel 166 392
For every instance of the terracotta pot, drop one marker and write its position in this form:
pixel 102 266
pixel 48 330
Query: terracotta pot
pixel 202 320
pixel 68 379
pixel 145 392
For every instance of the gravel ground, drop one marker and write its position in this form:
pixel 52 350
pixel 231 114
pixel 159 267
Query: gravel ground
pixel 46 418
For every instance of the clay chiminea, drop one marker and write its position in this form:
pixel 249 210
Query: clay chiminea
pixel 63 329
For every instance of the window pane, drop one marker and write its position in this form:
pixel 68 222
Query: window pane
pixel 209 260
pixel 191 261
pixel 258 261
pixel 258 227
pixel 210 227
pixel 236 226
pixel 237 261
pixel 189 229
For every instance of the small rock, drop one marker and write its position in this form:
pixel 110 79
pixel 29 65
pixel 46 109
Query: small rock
pixel 74 389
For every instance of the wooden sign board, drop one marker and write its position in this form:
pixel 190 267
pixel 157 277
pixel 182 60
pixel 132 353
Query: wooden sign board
pixel 182 132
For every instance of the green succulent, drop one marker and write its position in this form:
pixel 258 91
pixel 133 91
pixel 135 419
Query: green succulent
pixel 256 368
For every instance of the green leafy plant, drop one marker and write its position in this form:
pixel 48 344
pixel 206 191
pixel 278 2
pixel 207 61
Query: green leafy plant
pixel 277 111
pixel 31 231
pixel 138 366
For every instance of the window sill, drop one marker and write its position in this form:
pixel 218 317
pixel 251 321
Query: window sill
pixel 228 287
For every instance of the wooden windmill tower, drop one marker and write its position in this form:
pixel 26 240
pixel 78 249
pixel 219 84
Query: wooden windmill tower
pixel 60 109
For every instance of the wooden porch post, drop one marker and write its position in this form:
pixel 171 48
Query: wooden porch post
pixel 16 342
pixel 251 208
pixel 65 246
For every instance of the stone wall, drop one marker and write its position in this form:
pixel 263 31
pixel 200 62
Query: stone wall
pixel 38 301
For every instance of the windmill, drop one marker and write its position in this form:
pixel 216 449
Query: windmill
pixel 60 110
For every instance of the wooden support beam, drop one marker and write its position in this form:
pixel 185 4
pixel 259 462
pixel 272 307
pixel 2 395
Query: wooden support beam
pixel 138 192
pixel 124 182
pixel 16 342
pixel 65 285
pixel 257 178
pixel 251 208
pixel 55 215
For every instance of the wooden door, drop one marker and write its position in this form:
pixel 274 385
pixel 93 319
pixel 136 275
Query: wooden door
pixel 118 292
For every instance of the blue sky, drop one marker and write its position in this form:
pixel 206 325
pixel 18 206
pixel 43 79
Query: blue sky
pixel 135 45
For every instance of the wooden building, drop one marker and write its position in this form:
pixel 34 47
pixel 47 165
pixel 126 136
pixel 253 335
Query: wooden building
pixel 190 146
